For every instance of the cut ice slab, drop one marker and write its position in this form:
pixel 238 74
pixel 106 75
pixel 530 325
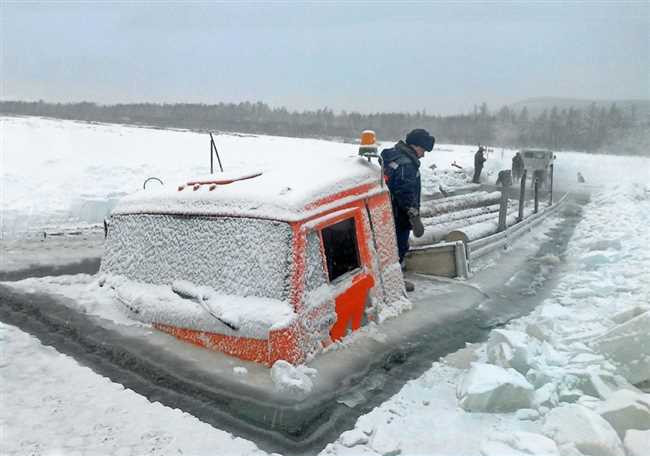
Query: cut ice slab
pixel 508 348
pixel 628 346
pixel 488 388
pixel 626 410
pixel 519 444
pixel 577 425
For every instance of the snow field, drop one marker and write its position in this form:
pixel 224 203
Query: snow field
pixel 568 369
pixel 59 171
pixel 51 405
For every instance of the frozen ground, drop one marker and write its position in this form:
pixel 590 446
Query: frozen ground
pixel 557 352
pixel 569 354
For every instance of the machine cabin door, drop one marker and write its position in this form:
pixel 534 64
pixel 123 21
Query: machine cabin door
pixel 345 254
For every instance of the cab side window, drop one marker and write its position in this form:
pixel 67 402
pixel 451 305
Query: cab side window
pixel 340 245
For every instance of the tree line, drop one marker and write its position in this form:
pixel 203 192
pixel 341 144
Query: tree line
pixel 593 129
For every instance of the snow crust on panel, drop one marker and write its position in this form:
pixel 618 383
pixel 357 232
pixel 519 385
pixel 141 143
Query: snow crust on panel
pixel 577 425
pixel 382 220
pixel 519 444
pixel 274 194
pixel 488 388
pixel 626 410
pixel 395 302
pixel 234 256
pixel 315 275
pixel 636 443
pixel 318 314
pixel 293 380
pixel 206 310
pixel 388 294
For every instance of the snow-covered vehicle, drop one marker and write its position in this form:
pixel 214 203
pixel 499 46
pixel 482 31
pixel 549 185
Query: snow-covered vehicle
pixel 538 164
pixel 260 265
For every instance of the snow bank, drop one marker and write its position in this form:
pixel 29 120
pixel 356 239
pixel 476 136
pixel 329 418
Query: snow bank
pixel 488 388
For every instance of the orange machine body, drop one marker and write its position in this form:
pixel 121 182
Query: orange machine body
pixel 351 289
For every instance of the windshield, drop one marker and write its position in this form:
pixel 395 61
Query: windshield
pixel 239 256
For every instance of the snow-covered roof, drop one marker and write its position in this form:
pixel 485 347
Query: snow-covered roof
pixel 282 193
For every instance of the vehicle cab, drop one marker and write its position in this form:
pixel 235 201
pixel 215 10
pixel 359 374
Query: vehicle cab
pixel 255 264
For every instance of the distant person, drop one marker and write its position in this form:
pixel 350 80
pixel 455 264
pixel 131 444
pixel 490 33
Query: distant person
pixel 504 178
pixel 401 165
pixel 479 160
pixel 517 167
pixel 581 178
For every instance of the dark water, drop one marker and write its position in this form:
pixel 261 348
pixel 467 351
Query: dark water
pixel 87 266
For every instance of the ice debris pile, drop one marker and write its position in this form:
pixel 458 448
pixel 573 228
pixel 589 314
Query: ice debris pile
pixel 569 379
pixel 581 360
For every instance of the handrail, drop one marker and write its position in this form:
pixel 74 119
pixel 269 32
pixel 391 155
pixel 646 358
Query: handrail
pixel 488 244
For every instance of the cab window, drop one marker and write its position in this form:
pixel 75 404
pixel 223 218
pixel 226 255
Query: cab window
pixel 340 245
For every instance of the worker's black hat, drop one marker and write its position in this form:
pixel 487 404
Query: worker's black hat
pixel 421 137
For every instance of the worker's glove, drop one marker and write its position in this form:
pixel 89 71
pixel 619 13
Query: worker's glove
pixel 416 221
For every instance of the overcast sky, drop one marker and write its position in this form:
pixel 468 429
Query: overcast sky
pixel 444 57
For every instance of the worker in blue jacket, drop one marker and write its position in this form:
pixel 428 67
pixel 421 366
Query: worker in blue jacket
pixel 401 165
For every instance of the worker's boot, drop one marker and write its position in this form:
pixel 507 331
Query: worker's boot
pixel 409 286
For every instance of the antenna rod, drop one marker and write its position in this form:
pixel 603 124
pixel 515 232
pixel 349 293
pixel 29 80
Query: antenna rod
pixel 216 152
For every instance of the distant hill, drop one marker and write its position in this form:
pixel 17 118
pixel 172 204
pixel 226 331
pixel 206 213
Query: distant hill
pixel 537 105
